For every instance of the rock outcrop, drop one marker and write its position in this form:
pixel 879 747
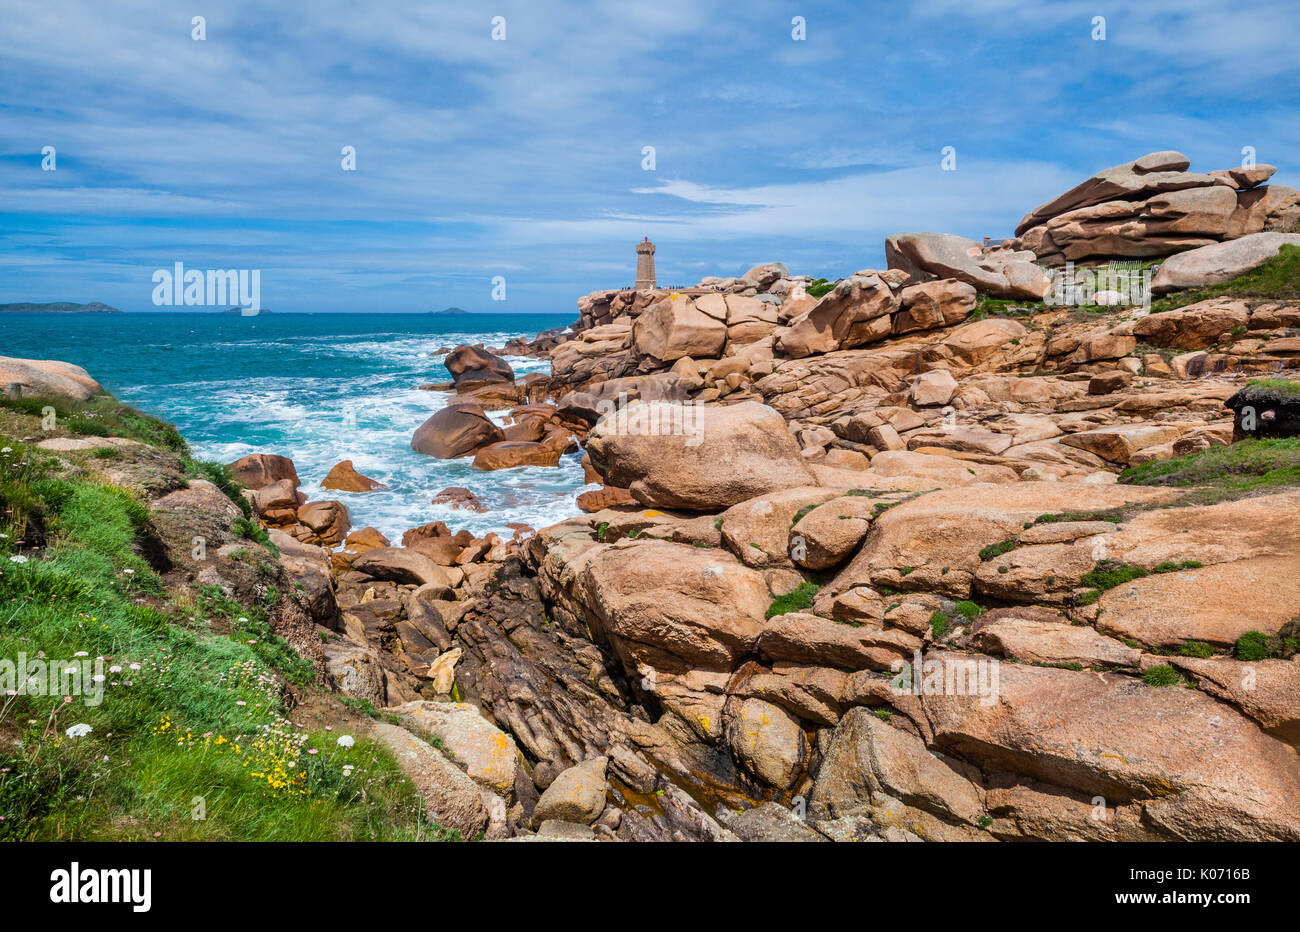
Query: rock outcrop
pixel 1153 206
pixel 45 378
pixel 697 458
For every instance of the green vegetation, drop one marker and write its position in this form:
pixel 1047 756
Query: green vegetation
pixel 939 624
pixel 1278 278
pixel 799 515
pixel 250 529
pixel 883 715
pixel 1254 645
pixel 798 599
pixel 1163 675
pixel 1110 573
pixel 105 416
pixel 1169 566
pixel 601 529
pixel 969 610
pixel 219 475
pixel 1224 472
pixel 1050 518
pixel 820 287
pixel 102 416
pixel 986 306
pixel 996 550
pixel 1280 386
pixel 188 735
pixel 1198 649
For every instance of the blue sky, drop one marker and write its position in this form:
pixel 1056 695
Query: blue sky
pixel 523 158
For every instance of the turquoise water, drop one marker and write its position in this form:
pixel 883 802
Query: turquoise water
pixel 316 387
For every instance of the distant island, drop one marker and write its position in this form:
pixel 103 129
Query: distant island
pixel 451 310
pixel 58 307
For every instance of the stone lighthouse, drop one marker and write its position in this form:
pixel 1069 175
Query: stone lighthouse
pixel 645 265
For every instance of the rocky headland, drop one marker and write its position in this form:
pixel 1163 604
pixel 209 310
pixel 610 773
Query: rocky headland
pixel 995 543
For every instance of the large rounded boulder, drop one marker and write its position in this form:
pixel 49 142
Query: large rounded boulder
pixel 695 457
pixel 474 365
pixel 457 430
pixel 26 378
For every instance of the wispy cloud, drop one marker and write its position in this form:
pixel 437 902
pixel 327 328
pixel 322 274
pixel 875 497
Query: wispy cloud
pixel 523 157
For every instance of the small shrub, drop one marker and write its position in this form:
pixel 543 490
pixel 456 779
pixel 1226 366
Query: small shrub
pixel 796 600
pixel 1195 649
pixel 250 529
pixel 1253 645
pixel 1110 573
pixel 996 550
pixel 1163 675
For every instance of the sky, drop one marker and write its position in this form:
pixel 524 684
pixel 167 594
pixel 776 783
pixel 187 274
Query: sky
pixel 523 159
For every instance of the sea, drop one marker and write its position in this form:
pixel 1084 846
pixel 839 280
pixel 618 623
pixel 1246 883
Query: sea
pixel 318 388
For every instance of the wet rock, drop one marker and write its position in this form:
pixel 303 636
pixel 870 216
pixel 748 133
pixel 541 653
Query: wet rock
pixel 456 430
pixel 473 365
pixel 343 477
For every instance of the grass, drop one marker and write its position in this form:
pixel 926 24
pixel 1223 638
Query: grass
pixel 102 416
pixel 249 529
pixel 969 610
pixel 1162 675
pixel 996 550
pixel 939 624
pixel 1110 573
pixel 986 306
pixel 1278 278
pixel 1197 649
pixel 1284 387
pixel 796 600
pixel 1071 516
pixel 188 736
pixel 1223 472
pixel 1169 566
pixel 105 416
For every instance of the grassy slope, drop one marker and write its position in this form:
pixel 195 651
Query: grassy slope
pixel 1278 279
pixel 1223 472
pixel 202 714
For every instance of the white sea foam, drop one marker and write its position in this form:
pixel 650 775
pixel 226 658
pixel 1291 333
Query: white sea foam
pixel 369 418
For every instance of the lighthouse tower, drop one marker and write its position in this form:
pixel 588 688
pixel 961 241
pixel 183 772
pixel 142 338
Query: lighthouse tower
pixel 645 265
